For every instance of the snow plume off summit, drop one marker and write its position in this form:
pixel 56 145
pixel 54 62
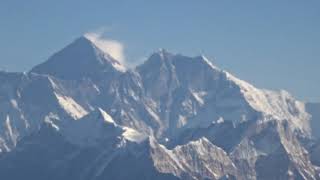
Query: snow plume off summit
pixel 83 115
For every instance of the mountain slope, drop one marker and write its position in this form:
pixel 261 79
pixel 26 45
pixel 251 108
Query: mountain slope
pixel 198 94
pixel 80 59
pixel 97 156
pixel 172 117
pixel 314 110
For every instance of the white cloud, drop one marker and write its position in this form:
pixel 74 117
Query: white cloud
pixel 112 47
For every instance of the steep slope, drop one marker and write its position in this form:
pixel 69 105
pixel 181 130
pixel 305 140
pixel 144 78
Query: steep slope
pixel 314 110
pixel 276 105
pixel 11 117
pixel 195 160
pixel 196 92
pixel 202 122
pixel 272 151
pixel 107 149
pixel 80 59
pixel 191 92
pixel 67 86
pixel 95 127
pixel 79 152
pixel 27 101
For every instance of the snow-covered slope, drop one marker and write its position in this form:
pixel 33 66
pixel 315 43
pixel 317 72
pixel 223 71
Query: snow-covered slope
pixel 275 105
pixel 113 157
pixel 198 94
pixel 196 160
pixel 272 151
pixel 95 127
pixel 177 117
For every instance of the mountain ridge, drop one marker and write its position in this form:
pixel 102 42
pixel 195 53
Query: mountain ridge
pixel 164 111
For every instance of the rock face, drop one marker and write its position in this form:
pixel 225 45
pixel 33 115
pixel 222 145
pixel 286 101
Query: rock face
pixel 80 59
pixel 83 115
pixel 314 110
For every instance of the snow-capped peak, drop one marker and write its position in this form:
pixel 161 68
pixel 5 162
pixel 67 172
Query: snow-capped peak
pixel 207 118
pixel 112 50
pixel 81 58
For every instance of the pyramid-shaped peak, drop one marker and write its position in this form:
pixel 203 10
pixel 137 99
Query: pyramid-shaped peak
pixel 83 40
pixel 81 58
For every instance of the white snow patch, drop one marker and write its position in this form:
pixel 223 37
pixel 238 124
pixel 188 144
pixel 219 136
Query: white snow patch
pixel 9 131
pixel 96 88
pixel 133 135
pixel 153 114
pixel 199 96
pixel 71 107
pixel 220 120
pixel 209 62
pixel 48 120
pixel 182 121
pixel 106 116
pixel 278 105
pixel 14 103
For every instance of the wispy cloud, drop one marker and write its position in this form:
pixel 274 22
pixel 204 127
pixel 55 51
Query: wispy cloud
pixel 110 46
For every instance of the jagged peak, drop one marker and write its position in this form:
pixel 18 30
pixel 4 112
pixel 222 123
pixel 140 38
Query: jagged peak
pixel 161 55
pixel 165 56
pixel 203 141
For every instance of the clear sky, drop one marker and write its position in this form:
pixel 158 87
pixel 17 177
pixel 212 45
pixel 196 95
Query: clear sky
pixel 273 44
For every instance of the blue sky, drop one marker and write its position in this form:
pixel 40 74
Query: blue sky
pixel 273 44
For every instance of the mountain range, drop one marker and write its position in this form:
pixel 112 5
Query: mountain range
pixel 82 115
